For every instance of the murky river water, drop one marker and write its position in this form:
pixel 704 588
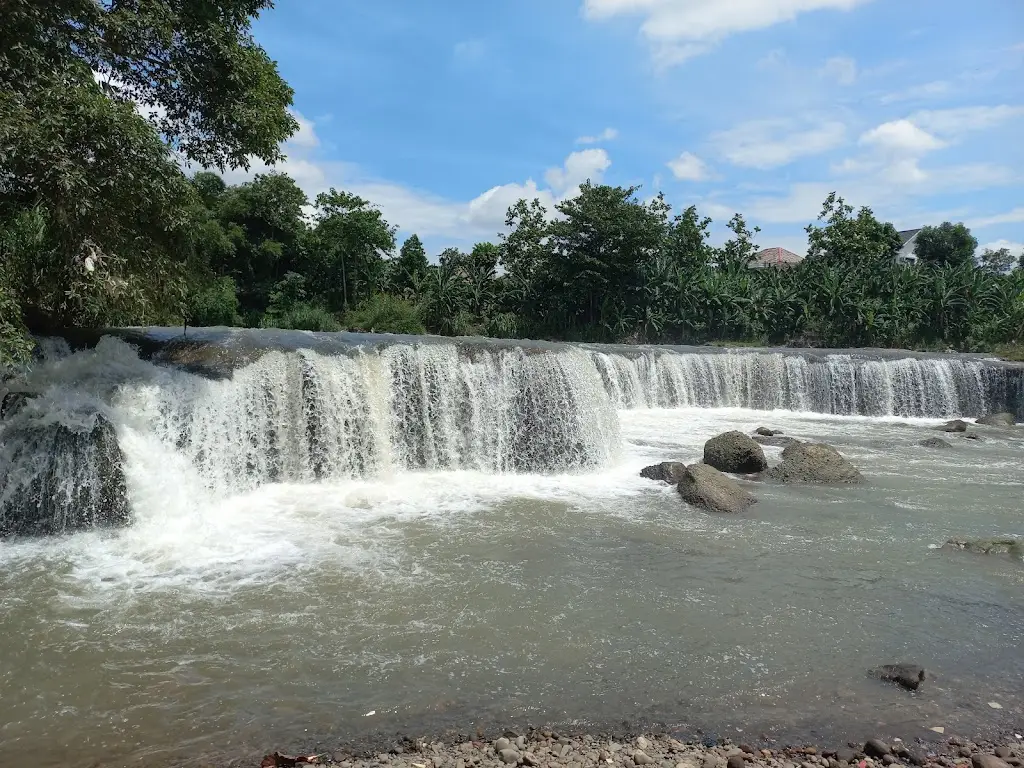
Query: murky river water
pixel 280 617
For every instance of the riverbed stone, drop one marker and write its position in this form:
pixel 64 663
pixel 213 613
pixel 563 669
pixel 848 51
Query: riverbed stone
pixel 778 441
pixel 509 756
pixel 502 743
pixel 1003 752
pixel 981 760
pixel 876 748
pixel 734 452
pixel 1003 419
pixel 935 442
pixel 713 491
pixel 956 425
pixel 767 432
pixel 736 761
pixel 814 463
pixel 642 758
pixel 909 676
pixel 666 471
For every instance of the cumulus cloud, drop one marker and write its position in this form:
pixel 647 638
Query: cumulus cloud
pixel 608 134
pixel 1013 247
pixel 901 136
pixel 577 168
pixel 772 143
pixel 680 29
pixel 689 167
pixel 415 210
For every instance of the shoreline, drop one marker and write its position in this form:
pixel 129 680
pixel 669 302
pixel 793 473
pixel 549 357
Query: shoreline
pixel 549 748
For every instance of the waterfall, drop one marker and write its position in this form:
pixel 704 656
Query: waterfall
pixel 835 383
pixel 304 417
pixel 322 408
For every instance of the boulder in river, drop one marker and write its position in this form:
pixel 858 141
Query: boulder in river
pixel 11 403
pixel 935 442
pixel 814 463
pixel 956 425
pixel 734 452
pixel 666 471
pixel 998 420
pixel 1009 545
pixel 766 432
pixel 56 478
pixel 704 486
pixel 909 676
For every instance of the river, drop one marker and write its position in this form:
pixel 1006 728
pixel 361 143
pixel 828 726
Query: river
pixel 445 536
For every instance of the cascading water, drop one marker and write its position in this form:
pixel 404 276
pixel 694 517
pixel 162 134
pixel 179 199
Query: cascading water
pixel 834 384
pixel 304 416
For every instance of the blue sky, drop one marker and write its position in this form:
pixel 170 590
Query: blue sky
pixel 444 113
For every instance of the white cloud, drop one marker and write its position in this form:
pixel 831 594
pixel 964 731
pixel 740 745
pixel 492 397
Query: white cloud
pixel 901 136
pixel 767 144
pixel 689 167
pixel 414 210
pixel 1015 216
pixel 680 29
pixel 305 137
pixel 608 134
pixel 842 69
pixel 915 92
pixel 578 167
pixel 952 122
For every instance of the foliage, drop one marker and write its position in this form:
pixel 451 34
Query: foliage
pixel 118 234
pixel 998 261
pixel 410 269
pixel 946 245
pixel 215 304
pixel 384 313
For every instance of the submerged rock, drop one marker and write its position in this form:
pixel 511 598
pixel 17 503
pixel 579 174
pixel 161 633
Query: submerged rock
pixel 766 432
pixel 11 403
pixel 956 425
pixel 734 452
pixel 909 676
pixel 1009 545
pixel 935 442
pixel 705 487
pixel 814 463
pixel 998 420
pixel 666 471
pixel 57 479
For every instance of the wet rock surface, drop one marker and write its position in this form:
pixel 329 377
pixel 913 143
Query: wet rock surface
pixel 1003 419
pixel 734 452
pixel 713 491
pixel 1009 545
pixel 936 443
pixel 666 471
pixel 816 463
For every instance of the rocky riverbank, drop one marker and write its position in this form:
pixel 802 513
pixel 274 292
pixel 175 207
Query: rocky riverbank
pixel 549 749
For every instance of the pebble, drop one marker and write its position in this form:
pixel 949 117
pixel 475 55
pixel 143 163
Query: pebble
pixel 642 758
pixel 508 756
pixel 981 760
pixel 735 761
pixel 502 744
pixel 642 743
pixel 1003 752
pixel 876 748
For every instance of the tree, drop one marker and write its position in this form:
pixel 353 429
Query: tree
pixel 946 245
pixel 998 261
pixel 411 267
pixel 114 210
pixel 740 249
pixel 860 241
pixel 349 241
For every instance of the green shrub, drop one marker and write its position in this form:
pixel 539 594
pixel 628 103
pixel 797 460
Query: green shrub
pixel 216 304
pixel 384 313
pixel 302 316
